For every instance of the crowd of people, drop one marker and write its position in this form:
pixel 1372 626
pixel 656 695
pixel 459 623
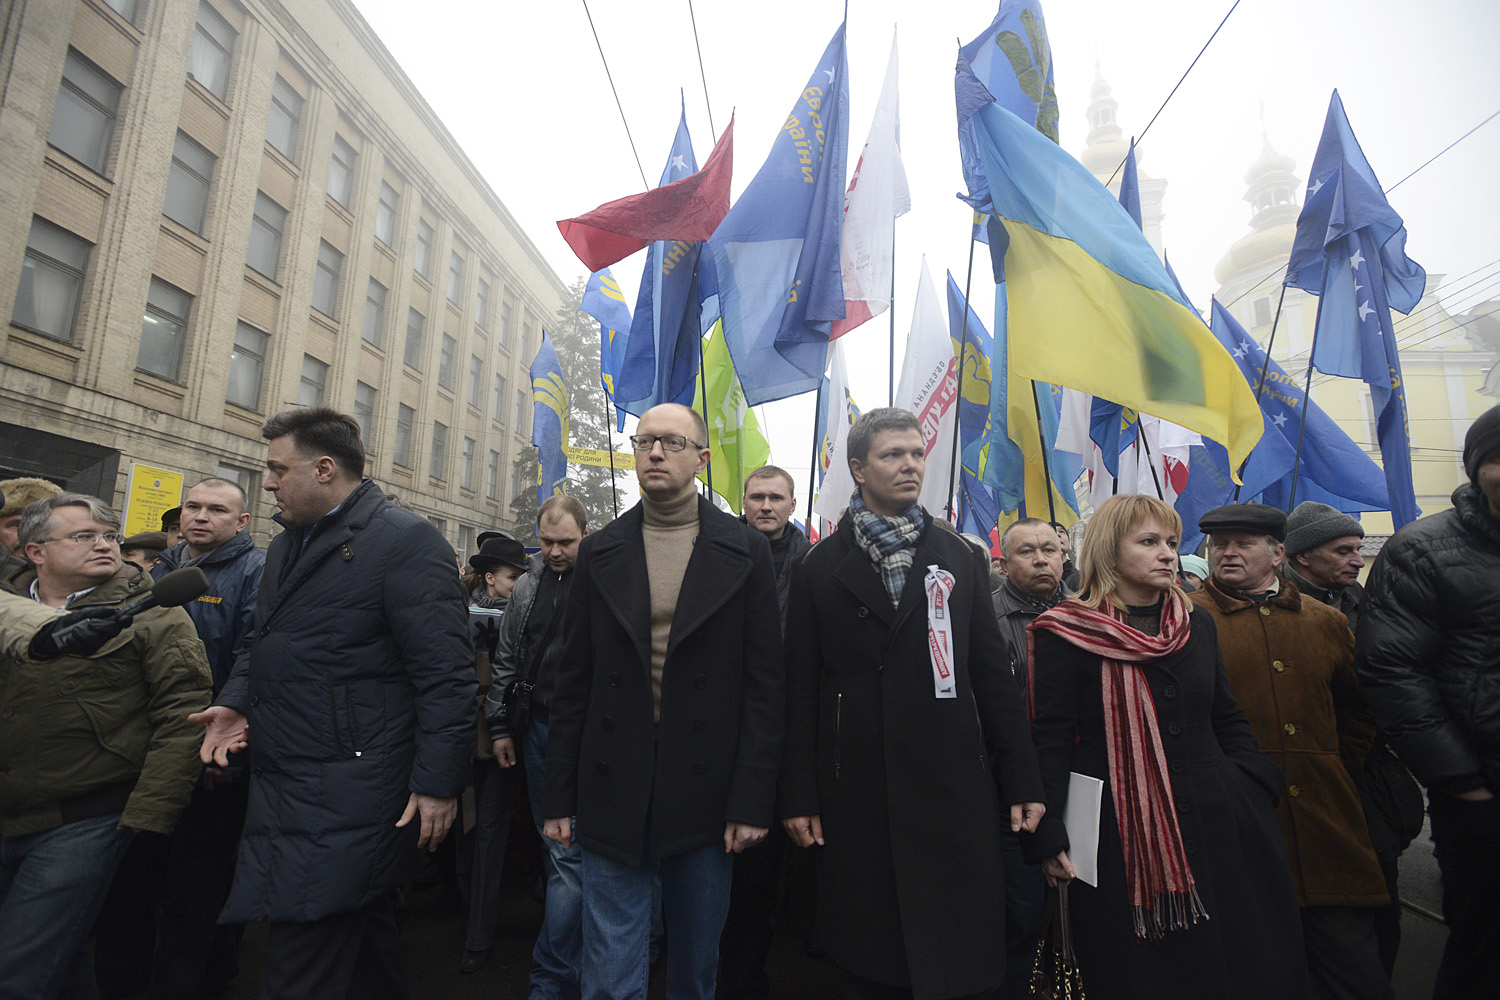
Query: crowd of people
pixel 697 705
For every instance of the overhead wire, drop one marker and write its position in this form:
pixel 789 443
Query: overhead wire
pixel 701 73
pixel 644 183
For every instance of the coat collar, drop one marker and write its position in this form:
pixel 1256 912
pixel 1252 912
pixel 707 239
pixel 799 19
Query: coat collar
pixel 856 572
pixel 1288 597
pixel 340 528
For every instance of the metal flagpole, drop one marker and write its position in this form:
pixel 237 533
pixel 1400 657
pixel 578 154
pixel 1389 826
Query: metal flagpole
pixel 1140 436
pixel 1036 400
pixel 1291 501
pixel 609 434
pixel 1260 383
pixel 890 391
pixel 963 346
pixel 812 472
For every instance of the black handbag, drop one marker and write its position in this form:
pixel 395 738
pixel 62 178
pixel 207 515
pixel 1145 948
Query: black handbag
pixel 1054 973
pixel 1392 800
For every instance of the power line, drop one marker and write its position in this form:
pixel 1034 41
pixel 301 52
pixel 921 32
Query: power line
pixel 1179 84
pixel 701 74
pixel 645 183
pixel 1445 149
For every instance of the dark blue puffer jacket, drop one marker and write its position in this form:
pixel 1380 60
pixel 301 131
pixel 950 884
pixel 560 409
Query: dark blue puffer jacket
pixel 225 614
pixel 359 687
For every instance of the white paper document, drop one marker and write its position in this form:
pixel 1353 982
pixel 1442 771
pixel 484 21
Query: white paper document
pixel 1081 820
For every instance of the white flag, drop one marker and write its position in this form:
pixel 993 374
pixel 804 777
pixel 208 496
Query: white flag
pixel 877 195
pixel 838 484
pixel 929 388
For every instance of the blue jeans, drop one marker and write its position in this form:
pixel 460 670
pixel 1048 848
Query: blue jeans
pixel 554 960
pixel 617 923
pixel 51 887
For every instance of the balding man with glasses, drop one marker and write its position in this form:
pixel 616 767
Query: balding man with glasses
pixel 667 717
pixel 92 748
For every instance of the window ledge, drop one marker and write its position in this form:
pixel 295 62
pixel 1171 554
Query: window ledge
pixel 214 101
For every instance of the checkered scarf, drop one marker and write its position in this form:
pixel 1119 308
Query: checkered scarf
pixel 888 541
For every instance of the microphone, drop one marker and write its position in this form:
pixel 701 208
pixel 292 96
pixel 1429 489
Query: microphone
pixel 179 587
pixel 83 632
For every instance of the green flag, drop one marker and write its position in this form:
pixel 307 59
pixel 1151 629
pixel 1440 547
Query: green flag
pixel 733 432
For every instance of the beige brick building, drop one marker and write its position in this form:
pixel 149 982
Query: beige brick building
pixel 211 211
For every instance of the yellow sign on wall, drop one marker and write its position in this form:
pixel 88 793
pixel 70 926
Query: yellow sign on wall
pixel 149 494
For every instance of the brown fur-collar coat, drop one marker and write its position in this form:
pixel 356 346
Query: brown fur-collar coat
pixel 1291 667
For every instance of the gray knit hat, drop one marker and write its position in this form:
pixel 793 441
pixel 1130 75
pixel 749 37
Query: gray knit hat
pixel 1483 438
pixel 1313 523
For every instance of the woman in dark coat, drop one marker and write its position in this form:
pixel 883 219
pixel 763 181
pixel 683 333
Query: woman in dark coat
pixel 1202 905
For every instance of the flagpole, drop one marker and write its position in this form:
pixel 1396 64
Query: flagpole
pixel 812 472
pixel 890 391
pixel 610 436
pixel 1291 500
pixel 1036 400
pixel 1140 436
pixel 1260 383
pixel 963 345
pixel 702 374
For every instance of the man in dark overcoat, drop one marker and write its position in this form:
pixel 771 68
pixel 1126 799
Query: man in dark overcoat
pixel 908 752
pixel 667 717
pixel 359 687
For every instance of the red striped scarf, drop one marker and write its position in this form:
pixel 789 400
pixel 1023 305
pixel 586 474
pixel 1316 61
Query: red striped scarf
pixel 1158 880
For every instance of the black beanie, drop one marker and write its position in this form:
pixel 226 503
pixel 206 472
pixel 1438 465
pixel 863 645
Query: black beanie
pixel 1483 438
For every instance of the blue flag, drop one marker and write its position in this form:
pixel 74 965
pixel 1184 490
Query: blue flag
pixel 660 363
pixel 603 300
pixel 1112 426
pixel 978 508
pixel 776 254
pixel 549 420
pixel 1350 250
pixel 1335 470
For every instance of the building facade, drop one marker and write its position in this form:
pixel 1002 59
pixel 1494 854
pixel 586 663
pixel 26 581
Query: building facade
pixel 214 211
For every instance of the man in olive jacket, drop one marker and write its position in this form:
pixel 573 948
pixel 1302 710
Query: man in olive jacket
pixel 359 688
pixel 92 748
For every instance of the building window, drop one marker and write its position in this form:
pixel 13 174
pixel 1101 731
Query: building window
pixel 1262 311
pixel 247 366
pixel 213 41
pixel 125 8
pixel 326 280
pixel 466 471
pixel 374 312
pixel 497 406
pixel 455 277
pixel 341 171
pixel 492 475
pixel 364 412
pixel 187 183
pixel 424 248
pixel 416 323
pixel 266 227
pixel 245 479
pixel 286 112
pixel 51 281
pixel 476 379
pixel 445 363
pixel 314 377
pixel 504 322
pixel 83 120
pixel 385 215
pixel 465 542
pixel 515 479
pixel 163 330
pixel 523 403
pixel 405 416
pixel 440 524
pixel 437 467
pixel 525 345
pixel 482 305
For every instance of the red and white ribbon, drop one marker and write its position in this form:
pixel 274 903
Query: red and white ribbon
pixel 939 585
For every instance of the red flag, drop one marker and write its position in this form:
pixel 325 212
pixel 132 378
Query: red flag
pixel 686 209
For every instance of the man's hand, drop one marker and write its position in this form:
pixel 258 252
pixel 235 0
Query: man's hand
pixel 1026 816
pixel 78 633
pixel 559 830
pixel 740 837
pixel 1058 869
pixel 437 816
pixel 505 752
pixel 805 831
pixel 227 732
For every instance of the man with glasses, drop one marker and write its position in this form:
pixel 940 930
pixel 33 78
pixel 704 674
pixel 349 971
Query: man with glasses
pixel 666 718
pixel 92 748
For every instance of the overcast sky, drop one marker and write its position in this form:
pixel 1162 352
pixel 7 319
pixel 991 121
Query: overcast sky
pixel 522 88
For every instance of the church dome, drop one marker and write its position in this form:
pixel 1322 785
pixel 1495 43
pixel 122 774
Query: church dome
pixel 1271 189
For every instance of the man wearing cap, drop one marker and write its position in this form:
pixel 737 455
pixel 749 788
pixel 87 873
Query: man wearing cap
pixel 491 797
pixel 171 523
pixel 1323 557
pixel 18 493
pixel 1290 662
pixel 143 549
pixel 517 710
pixel 1429 632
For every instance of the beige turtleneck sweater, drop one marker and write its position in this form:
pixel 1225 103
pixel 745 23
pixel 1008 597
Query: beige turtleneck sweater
pixel 668 531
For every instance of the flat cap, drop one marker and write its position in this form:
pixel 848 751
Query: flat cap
pixel 171 517
pixel 146 540
pixel 1250 518
pixel 1313 523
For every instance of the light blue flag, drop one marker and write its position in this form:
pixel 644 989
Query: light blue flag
pixel 660 362
pixel 1350 250
pixel 549 420
pixel 776 254
pixel 603 300
pixel 1334 470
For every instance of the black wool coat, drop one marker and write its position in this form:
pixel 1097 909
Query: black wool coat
pixel 913 790
pixel 1225 791
pixel 642 792
pixel 359 687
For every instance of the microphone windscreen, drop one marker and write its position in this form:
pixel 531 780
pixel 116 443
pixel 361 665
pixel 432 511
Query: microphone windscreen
pixel 179 587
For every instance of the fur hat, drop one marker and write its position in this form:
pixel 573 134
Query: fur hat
pixel 21 492
pixel 1313 523
pixel 1483 438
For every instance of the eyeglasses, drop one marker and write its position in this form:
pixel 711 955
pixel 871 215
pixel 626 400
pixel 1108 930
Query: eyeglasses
pixel 669 442
pixel 89 538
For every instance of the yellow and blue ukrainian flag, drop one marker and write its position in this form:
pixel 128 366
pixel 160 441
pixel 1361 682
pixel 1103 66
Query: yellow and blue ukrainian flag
pixel 549 420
